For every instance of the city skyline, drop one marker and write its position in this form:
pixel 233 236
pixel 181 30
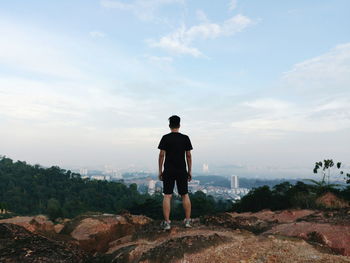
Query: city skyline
pixel 261 86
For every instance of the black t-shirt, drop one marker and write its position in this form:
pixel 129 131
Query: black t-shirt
pixel 175 144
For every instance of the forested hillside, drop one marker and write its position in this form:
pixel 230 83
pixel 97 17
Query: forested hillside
pixel 31 189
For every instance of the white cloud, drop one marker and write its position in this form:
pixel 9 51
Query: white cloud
pixel 232 5
pixel 319 102
pixel 180 41
pixel 327 74
pixel 268 104
pixel 276 117
pixel 143 9
pixel 97 34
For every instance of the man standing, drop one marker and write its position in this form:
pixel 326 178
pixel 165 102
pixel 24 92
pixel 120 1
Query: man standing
pixel 174 146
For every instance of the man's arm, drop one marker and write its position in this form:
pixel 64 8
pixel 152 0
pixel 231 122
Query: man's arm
pixel 189 164
pixel 160 164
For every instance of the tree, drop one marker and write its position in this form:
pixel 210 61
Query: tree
pixel 326 167
pixel 256 200
pixel 54 209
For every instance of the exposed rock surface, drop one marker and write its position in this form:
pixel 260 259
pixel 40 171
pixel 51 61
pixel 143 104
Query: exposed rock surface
pixel 93 233
pixel 203 244
pixel 329 228
pixel 263 237
pixel 255 222
pixel 35 224
pixel 283 216
pixel 20 245
pixel 330 200
pixel 336 237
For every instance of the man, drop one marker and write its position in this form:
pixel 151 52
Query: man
pixel 174 146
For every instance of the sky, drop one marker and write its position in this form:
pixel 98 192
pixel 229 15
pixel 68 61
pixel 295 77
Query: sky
pixel 262 87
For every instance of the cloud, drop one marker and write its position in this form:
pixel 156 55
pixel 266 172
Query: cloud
pixel 327 74
pixel 97 34
pixel 277 118
pixel 180 41
pixel 143 9
pixel 232 5
pixel 321 86
pixel 316 99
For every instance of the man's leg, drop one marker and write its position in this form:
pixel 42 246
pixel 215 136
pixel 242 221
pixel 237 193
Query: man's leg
pixel 186 202
pixel 166 206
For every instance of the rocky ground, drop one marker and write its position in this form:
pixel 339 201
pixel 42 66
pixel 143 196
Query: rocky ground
pixel 262 237
pixel 17 244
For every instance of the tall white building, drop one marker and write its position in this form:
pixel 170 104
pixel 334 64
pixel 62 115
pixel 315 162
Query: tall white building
pixel 151 187
pixel 234 182
pixel 205 168
pixel 83 171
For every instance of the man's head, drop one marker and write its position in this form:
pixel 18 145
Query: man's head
pixel 174 122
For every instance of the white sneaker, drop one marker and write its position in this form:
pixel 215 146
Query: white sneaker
pixel 187 223
pixel 165 225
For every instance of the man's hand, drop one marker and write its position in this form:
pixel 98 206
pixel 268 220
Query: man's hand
pixel 189 176
pixel 160 164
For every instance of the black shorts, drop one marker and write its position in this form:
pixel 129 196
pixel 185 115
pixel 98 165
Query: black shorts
pixel 169 179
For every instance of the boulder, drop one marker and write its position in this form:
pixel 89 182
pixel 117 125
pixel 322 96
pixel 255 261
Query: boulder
pixel 93 233
pixel 35 224
pixel 58 228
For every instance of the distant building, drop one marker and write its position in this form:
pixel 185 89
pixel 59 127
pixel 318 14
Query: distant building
pixel 99 177
pixel 205 168
pixel 151 187
pixel 234 182
pixel 4 211
pixel 159 187
pixel 83 171
pixel 194 186
pixel 108 169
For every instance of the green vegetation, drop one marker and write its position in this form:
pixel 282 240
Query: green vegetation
pixel 31 189
pixel 300 195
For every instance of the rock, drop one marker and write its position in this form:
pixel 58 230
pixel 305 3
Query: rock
pixel 17 244
pixel 201 244
pixel 335 217
pixel 36 224
pixel 177 247
pixel 223 238
pixel 250 223
pixel 282 216
pixel 255 222
pixel 336 237
pixel 330 200
pixel 94 232
pixel 58 228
